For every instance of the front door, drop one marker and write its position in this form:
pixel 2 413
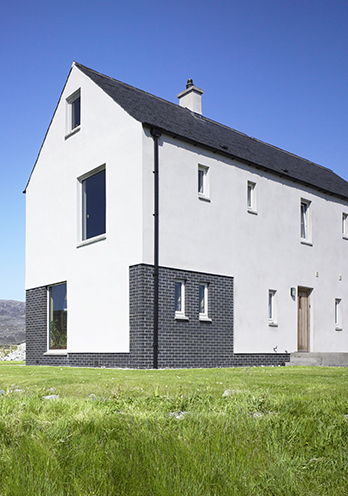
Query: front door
pixel 303 320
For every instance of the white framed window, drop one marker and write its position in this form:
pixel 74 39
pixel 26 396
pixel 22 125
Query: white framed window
pixel 344 225
pixel 305 221
pixel 93 204
pixel 73 112
pixel 180 299
pixel 272 307
pixel 251 197
pixel 338 314
pixel 57 317
pixel 203 182
pixel 203 301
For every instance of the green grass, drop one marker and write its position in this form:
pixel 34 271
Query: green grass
pixel 282 431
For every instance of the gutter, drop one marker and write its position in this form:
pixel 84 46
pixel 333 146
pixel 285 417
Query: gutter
pixel 155 133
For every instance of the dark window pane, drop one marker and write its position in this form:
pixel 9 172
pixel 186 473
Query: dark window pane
pixel 58 317
pixel 178 294
pixel 201 299
pixel 200 181
pixel 76 113
pixel 94 206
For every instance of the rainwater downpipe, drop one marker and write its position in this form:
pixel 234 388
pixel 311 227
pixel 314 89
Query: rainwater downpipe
pixel 155 133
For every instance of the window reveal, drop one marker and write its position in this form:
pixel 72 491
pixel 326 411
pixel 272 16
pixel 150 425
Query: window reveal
pixel 179 299
pixel 203 300
pixel 305 226
pixel 272 307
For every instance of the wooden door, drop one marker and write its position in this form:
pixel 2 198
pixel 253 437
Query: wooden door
pixel 303 320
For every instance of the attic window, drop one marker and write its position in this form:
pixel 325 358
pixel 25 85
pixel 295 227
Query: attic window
pixel 74 112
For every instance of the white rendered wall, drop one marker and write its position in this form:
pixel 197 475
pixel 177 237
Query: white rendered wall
pixel 260 251
pixel 96 274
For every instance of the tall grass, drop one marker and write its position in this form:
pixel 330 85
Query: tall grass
pixel 278 431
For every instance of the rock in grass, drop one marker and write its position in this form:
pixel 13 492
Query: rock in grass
pixel 2 391
pixel 178 415
pixel 51 397
pixel 257 414
pixel 229 392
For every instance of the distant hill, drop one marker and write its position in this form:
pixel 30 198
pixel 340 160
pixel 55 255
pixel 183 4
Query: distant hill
pixel 12 322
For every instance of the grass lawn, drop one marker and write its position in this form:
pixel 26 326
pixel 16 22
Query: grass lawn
pixel 277 431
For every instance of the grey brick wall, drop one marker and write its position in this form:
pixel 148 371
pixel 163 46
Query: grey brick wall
pixel 182 343
pixel 36 324
pixel 260 359
pixel 195 343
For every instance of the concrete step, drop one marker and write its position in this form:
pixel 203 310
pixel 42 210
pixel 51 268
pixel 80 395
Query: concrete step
pixel 318 359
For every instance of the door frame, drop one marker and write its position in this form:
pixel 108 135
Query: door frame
pixel 306 346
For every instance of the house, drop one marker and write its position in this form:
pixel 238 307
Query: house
pixel 159 238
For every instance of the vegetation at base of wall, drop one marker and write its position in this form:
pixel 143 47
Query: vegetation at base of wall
pixel 7 349
pixel 251 431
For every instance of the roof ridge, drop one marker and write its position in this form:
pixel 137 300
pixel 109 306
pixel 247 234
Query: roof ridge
pixel 129 86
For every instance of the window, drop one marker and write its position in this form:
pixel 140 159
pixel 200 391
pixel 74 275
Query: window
pixel 57 317
pixel 203 185
pixel 74 112
pixel 305 221
pixel 93 205
pixel 203 301
pixel 338 315
pixel 272 307
pixel 251 197
pixel 345 225
pixel 180 299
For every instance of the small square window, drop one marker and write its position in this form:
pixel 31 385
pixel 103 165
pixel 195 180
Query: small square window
pixel 272 307
pixel 251 197
pixel 345 225
pixel 305 221
pixel 203 185
pixel 58 314
pixel 73 112
pixel 93 205
pixel 180 299
pixel 338 314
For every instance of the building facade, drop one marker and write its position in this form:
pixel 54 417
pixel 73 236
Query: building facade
pixel 251 240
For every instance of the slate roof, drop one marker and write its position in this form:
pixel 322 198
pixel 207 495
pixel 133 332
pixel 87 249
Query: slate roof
pixel 182 122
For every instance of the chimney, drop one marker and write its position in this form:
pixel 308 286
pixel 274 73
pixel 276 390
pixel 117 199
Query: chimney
pixel 191 98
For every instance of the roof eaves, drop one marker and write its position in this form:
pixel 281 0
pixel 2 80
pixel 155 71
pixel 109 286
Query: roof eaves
pixel 275 172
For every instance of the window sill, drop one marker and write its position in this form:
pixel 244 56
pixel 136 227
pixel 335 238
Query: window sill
pixel 306 242
pixel 56 352
pixel 344 237
pixel 204 319
pixel 203 198
pixel 89 241
pixel 180 317
pixel 251 211
pixel 73 131
pixel 272 324
pixel 338 329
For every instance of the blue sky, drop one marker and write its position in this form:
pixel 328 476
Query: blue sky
pixel 274 70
